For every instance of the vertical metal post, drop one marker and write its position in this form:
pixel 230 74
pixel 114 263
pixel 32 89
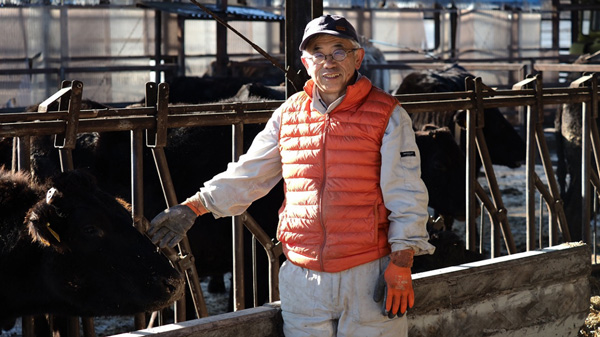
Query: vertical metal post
pixel 589 132
pixel 157 43
pixel 237 141
pixel 21 159
pixel 587 111
pixel 529 180
pixel 181 46
pixel 585 171
pixel 471 178
pixel 297 14
pixel 137 194
pixel 222 56
pixel 64 40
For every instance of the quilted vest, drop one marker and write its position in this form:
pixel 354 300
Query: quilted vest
pixel 333 217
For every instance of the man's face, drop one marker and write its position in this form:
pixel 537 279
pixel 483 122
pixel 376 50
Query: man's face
pixel 332 77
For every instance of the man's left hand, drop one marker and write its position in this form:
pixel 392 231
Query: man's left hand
pixel 397 281
pixel 400 295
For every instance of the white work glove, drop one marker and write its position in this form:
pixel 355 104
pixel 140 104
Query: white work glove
pixel 169 227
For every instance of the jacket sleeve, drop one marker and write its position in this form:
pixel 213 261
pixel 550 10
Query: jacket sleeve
pixel 250 178
pixel 404 192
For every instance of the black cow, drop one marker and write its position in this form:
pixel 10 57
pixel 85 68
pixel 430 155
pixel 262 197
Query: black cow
pixel 68 248
pixel 505 145
pixel 450 249
pixel 443 171
pixel 568 152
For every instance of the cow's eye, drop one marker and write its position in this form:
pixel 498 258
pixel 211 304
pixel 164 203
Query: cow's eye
pixel 91 230
pixel 439 167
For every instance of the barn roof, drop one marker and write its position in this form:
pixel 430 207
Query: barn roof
pixel 233 13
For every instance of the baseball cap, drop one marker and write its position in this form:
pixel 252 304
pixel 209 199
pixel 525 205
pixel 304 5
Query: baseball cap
pixel 329 24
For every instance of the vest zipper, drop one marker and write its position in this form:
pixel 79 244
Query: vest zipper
pixel 321 211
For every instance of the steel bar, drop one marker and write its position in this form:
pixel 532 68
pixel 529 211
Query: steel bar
pixel 471 176
pixel 237 229
pixel 137 196
pixel 551 196
pixel 157 140
pixel 493 214
pixel 566 67
pixel 11 125
pixel 554 202
pixel 532 119
pixel 586 120
pixel 498 207
pixel 21 159
pixel 498 204
pixel 272 249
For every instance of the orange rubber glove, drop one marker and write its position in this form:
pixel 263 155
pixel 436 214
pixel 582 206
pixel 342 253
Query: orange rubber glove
pixel 399 294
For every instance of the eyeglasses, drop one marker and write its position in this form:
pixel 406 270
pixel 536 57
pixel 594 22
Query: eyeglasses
pixel 338 55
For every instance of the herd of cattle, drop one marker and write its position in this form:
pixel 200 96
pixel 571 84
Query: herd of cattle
pixel 77 253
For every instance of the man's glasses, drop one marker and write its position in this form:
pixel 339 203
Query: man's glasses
pixel 338 55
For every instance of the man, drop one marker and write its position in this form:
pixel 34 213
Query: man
pixel 354 199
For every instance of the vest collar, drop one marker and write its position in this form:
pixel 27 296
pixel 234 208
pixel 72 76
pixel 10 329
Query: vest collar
pixel 355 93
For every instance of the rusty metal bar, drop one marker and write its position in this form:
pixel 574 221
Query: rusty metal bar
pixel 157 141
pixel 273 250
pixel 499 210
pixel 11 125
pixel 551 196
pixel 555 203
pixel 566 67
pixel 493 214
pixel 532 118
pixel 237 228
pixel 137 195
pixel 595 144
pixel 21 159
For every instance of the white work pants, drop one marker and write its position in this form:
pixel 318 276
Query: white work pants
pixel 335 304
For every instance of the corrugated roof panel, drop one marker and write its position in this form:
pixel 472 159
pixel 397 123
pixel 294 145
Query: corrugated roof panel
pixel 234 13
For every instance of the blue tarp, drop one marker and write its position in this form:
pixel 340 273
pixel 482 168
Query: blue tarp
pixel 232 13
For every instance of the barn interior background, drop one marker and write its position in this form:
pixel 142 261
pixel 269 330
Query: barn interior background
pixel 115 47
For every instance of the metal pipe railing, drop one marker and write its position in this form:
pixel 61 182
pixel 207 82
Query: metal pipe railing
pixel 475 99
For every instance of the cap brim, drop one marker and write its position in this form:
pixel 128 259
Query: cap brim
pixel 328 32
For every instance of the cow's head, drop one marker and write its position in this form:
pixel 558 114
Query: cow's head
pixel 96 261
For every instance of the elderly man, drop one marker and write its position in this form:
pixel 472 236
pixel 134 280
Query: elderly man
pixel 355 206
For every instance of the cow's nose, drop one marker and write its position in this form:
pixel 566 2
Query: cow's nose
pixel 169 284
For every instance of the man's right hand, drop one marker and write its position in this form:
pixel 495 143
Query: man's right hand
pixel 169 227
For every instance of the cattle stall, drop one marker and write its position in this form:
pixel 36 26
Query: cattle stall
pixel 158 116
pixel 502 297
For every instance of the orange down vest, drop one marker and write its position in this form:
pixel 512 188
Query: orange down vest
pixel 333 217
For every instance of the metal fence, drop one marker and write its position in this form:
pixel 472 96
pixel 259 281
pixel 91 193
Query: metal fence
pixel 157 117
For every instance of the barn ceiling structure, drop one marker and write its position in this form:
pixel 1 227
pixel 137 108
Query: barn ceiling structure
pixel 297 14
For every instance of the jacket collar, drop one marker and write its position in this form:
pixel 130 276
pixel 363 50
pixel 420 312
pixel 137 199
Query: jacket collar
pixel 355 93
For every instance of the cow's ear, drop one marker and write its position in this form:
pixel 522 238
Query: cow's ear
pixel 46 226
pixel 52 195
